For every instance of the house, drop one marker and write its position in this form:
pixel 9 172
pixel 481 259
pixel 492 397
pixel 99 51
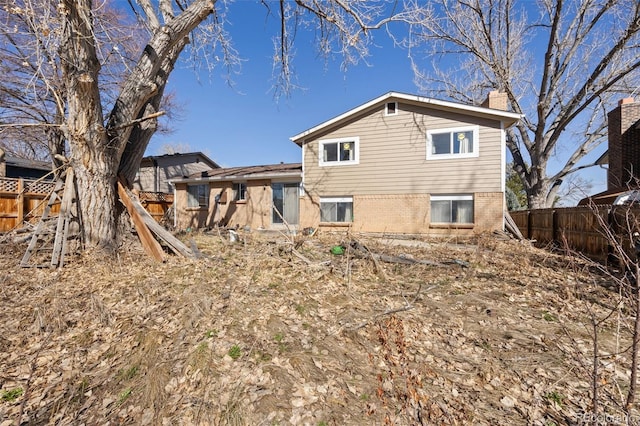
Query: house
pixel 14 167
pixel 156 171
pixel 397 164
pixel 259 197
pixel 407 164
pixel 622 155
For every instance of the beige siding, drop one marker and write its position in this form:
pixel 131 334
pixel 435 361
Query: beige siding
pixel 392 157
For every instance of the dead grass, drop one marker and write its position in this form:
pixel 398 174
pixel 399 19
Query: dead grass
pixel 339 340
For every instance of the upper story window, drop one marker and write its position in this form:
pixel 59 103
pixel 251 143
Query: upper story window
pixel 335 152
pixel 452 143
pixel 391 108
pixel 197 196
pixel 239 191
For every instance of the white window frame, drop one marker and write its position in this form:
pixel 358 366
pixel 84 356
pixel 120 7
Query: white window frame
pixel 395 109
pixel 237 190
pixel 326 200
pixel 458 197
pixel 356 154
pixel 201 199
pixel 475 145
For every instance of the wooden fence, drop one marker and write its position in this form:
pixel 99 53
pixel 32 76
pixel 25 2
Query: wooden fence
pixel 23 200
pixel 586 229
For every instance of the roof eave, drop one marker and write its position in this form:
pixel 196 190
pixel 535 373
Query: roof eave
pixel 238 177
pixel 506 117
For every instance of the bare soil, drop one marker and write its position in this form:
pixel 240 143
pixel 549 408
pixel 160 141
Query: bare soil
pixel 256 333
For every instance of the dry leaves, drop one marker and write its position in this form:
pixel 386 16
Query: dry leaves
pixel 257 333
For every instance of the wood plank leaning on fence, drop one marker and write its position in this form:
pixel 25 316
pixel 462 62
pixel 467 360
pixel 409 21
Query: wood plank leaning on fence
pixel 151 234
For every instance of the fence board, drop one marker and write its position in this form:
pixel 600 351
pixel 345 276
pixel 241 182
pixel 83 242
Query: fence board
pixel 18 206
pixel 585 229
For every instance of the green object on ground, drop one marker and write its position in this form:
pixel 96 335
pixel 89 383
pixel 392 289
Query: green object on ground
pixel 337 250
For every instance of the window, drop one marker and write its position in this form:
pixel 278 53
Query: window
pixel 452 143
pixel 452 209
pixel 197 195
pixel 338 209
pixel 335 152
pixel 391 108
pixel 239 191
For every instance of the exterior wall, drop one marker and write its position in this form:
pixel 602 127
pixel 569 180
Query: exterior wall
pixel 393 181
pixel 189 217
pixel 624 145
pixel 254 212
pixel 407 214
pixel 392 157
pixel 155 178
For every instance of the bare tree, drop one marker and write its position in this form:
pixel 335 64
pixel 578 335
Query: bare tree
pixel 32 91
pixel 561 63
pixel 108 137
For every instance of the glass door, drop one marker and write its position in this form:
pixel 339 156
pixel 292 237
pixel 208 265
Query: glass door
pixel 285 203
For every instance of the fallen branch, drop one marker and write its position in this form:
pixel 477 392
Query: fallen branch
pixel 403 259
pixel 406 307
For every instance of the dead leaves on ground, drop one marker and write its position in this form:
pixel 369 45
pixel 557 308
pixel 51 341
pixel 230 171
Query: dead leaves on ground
pixel 255 334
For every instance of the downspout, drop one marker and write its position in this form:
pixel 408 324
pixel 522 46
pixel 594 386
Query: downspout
pixel 175 210
pixel 156 185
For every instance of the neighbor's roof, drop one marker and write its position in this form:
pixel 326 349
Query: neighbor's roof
pixel 206 159
pixel 268 171
pixel 26 163
pixel 508 118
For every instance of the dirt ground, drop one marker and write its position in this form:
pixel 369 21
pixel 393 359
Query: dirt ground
pixel 272 331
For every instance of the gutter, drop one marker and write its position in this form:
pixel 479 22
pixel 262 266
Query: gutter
pixel 238 178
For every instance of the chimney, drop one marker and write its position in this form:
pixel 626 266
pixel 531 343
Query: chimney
pixel 496 100
pixel 624 145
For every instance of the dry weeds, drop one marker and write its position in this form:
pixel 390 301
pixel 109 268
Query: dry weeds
pixel 255 334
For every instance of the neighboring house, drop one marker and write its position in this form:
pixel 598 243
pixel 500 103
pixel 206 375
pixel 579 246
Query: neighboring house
pixel 408 164
pixel 622 155
pixel 259 197
pixel 14 167
pixel 156 171
pixel 398 164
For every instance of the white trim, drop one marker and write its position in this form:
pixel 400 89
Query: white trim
pixel 464 197
pixel 336 199
pixel 475 148
pixel 356 153
pixel 386 108
pixel 508 117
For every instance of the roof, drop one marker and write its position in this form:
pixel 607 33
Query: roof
pixel 267 171
pixel 508 118
pixel 26 163
pixel 151 158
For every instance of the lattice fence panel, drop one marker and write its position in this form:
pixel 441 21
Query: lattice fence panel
pixel 8 185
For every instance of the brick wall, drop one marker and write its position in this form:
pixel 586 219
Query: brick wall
pixel 624 145
pixel 407 214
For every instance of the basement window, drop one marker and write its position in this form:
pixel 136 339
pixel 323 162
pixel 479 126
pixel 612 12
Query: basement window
pixel 452 209
pixel 336 209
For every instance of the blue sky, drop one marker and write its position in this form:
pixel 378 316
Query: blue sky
pixel 245 125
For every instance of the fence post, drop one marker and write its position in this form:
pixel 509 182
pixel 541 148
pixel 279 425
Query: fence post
pixel 20 203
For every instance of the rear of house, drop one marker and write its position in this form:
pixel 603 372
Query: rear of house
pixel 257 197
pixel 407 164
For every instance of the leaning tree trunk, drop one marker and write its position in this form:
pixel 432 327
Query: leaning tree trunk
pixel 93 157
